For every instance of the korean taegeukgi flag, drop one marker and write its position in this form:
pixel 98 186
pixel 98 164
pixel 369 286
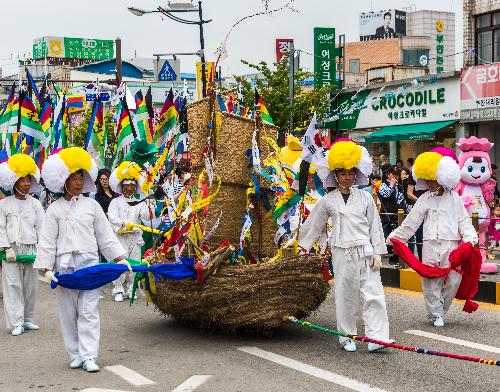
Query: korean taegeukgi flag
pixel 312 149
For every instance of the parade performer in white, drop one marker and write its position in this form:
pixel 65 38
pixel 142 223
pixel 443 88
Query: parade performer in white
pixel 126 180
pixel 21 217
pixel 446 224
pixel 357 242
pixel 74 229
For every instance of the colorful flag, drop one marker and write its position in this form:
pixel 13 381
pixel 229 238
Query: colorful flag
pixel 166 119
pixel 46 118
pixel 36 96
pixel 141 119
pixel 266 117
pixel 74 102
pixel 9 143
pixel 6 117
pixel 230 104
pixel 96 134
pixel 124 130
pixel 149 106
pixel 30 122
pixel 60 136
pixel 222 104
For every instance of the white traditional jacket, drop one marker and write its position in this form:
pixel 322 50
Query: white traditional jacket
pixel 76 227
pixel 354 224
pixel 120 213
pixel 445 219
pixel 20 221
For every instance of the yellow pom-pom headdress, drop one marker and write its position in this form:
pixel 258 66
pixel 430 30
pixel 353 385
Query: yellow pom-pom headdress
pixel 126 171
pixel 435 166
pixel 60 165
pixel 16 167
pixel 345 154
pixel 292 151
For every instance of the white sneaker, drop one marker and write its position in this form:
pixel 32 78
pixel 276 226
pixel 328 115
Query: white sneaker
pixel 129 295
pixel 18 330
pixel 374 347
pixel 76 363
pixel 29 326
pixel 119 297
pixel 438 321
pixel 90 366
pixel 349 346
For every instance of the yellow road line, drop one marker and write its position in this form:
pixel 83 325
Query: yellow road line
pixel 482 305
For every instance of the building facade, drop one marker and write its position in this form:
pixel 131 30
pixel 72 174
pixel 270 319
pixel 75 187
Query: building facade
pixel 439 26
pixel 480 79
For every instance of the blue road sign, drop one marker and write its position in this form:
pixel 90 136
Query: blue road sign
pixel 167 73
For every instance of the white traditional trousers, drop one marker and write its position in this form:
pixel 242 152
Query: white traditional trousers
pixel 133 251
pixel 437 295
pixel 19 287
pixel 80 323
pixel 354 281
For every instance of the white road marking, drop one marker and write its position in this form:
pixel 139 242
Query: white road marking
pixel 192 383
pixel 343 381
pixel 101 390
pixel 129 375
pixel 460 342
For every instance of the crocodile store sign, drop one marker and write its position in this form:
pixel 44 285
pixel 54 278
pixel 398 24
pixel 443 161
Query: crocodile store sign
pixel 400 105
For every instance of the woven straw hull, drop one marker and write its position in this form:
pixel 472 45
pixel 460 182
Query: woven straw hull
pixel 255 297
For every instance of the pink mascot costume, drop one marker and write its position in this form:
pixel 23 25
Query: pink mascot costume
pixel 476 186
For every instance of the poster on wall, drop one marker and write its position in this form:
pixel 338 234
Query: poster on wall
pixel 382 25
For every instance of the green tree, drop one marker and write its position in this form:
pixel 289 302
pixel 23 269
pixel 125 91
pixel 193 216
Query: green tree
pixel 272 85
pixel 80 131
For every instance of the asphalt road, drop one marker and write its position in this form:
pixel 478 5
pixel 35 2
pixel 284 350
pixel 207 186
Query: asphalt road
pixel 141 350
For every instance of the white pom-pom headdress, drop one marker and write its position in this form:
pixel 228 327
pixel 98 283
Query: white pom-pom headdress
pixel 16 167
pixel 60 165
pixel 126 171
pixel 435 165
pixel 345 154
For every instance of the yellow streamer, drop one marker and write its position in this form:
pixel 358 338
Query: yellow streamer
pixel 146 186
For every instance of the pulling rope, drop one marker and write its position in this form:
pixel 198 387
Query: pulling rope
pixel 418 350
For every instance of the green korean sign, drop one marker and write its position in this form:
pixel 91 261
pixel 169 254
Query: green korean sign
pixel 324 57
pixel 73 48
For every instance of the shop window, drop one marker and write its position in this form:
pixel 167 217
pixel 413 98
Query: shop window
pixel 483 21
pixel 484 47
pixel 354 65
pixel 412 57
pixel 496 18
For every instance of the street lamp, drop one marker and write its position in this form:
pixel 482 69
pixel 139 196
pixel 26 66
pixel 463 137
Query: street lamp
pixel 169 10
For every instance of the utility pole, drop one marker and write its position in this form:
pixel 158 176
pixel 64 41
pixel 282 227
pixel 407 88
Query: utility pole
pixel 202 53
pixel 118 45
pixel 291 71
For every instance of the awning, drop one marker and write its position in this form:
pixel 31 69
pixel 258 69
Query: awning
pixel 407 132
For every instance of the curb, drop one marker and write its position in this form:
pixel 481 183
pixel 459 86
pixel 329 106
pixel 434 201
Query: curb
pixel 408 279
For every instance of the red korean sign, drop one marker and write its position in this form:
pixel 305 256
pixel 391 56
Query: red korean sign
pixel 480 93
pixel 283 46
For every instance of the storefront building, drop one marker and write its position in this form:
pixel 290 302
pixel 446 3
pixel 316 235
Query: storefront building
pixel 404 118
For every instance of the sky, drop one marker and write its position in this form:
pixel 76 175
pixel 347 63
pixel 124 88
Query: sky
pixel 252 40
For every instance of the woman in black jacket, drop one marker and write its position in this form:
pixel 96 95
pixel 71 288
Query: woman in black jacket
pixel 392 199
pixel 104 194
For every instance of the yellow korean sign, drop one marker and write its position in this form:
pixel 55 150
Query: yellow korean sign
pixel 210 77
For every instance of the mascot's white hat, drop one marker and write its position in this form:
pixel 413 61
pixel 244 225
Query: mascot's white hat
pixel 61 164
pixel 345 154
pixel 16 167
pixel 127 170
pixel 440 166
